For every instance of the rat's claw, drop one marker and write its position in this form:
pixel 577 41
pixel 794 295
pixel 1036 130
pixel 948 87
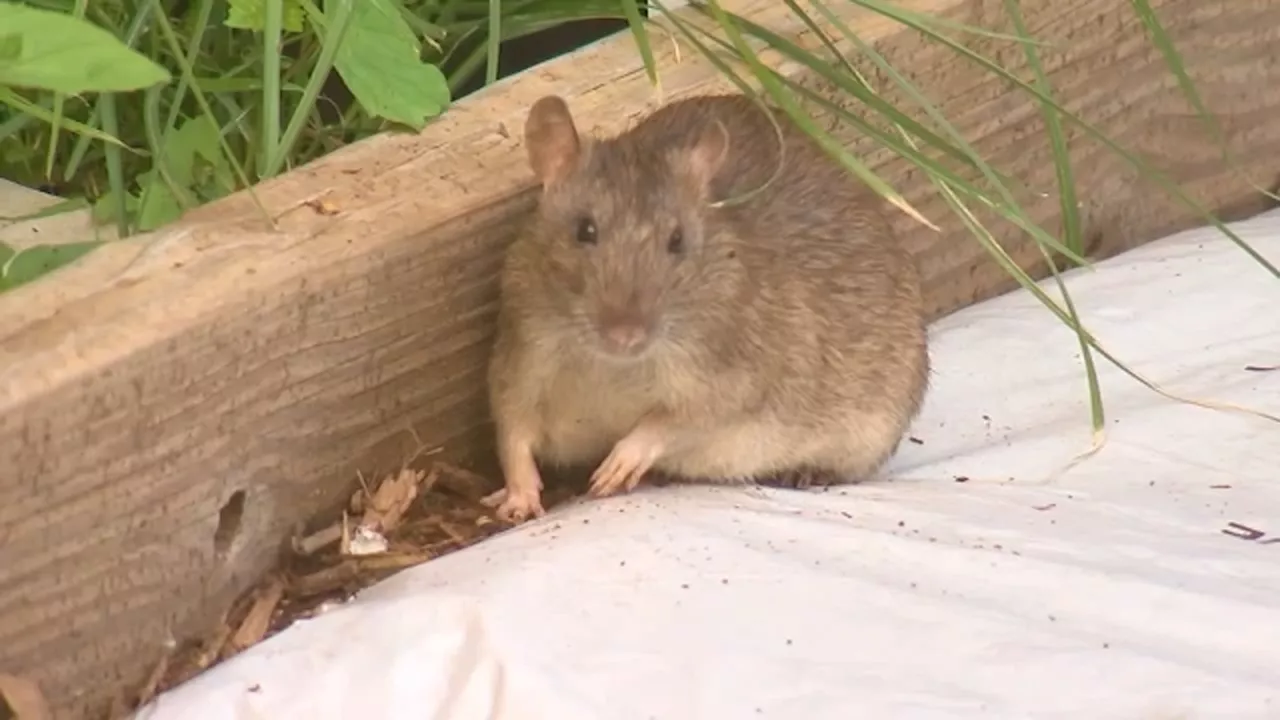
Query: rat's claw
pixel 516 508
pixel 630 459
pixel 521 495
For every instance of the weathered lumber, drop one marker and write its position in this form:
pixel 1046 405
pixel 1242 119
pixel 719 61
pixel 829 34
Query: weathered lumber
pixel 219 363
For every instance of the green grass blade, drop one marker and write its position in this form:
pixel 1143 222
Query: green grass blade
pixel 1069 209
pixel 158 139
pixel 493 42
pixel 903 149
pixel 115 168
pixel 917 96
pixel 847 81
pixel 32 111
pixel 137 25
pixel 58 101
pixel 1147 15
pixel 1070 214
pixel 271 31
pixel 1160 178
pixel 171 38
pixel 636 22
pixel 199 26
pixel 55 127
pixel 1010 209
pixel 157 133
pixel 828 143
pixel 943 22
pixel 15 124
pixel 333 32
pixel 433 33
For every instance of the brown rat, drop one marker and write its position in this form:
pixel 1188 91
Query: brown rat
pixel 650 324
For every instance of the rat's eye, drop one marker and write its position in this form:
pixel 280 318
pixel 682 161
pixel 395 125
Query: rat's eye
pixel 675 243
pixel 587 231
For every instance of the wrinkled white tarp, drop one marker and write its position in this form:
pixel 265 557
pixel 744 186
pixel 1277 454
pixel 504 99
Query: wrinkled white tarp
pixel 987 580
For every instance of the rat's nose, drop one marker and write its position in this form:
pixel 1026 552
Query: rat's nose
pixel 625 338
pixel 623 331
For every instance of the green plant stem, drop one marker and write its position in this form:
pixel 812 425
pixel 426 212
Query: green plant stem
pixel 115 169
pixel 272 30
pixel 130 39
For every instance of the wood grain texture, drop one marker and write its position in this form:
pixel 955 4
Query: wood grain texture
pixel 148 383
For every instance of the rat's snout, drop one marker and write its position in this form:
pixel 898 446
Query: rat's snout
pixel 624 328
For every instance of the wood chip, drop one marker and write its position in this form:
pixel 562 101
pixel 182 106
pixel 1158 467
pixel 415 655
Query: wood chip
pixel 338 578
pixel 150 688
pixel 256 623
pixel 322 206
pixel 392 499
pixel 317 541
pixel 463 482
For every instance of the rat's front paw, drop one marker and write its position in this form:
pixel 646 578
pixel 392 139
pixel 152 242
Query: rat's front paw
pixel 625 466
pixel 631 457
pixel 515 508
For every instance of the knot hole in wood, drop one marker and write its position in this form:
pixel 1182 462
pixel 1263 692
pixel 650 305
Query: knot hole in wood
pixel 229 520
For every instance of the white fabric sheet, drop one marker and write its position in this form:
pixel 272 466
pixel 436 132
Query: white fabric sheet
pixel 1113 588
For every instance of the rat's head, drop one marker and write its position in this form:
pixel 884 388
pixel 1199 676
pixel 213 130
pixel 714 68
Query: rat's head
pixel 625 252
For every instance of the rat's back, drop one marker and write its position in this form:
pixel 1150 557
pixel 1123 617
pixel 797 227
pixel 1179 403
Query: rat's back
pixel 832 324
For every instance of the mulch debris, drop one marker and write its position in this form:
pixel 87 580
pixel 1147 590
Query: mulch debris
pixel 409 518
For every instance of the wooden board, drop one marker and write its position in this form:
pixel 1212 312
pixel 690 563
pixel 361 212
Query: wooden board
pixel 18 201
pixel 149 384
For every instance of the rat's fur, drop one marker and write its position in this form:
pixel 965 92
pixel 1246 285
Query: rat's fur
pixel 789 336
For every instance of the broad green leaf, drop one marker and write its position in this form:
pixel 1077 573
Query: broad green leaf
pixel 10 47
pixel 104 208
pixel 379 61
pixel 195 140
pixel 197 137
pixel 30 263
pixel 17 102
pixel 252 15
pixel 159 206
pixel 68 55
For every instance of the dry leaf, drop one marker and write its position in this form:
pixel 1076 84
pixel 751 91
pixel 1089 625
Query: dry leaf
pixel 392 498
pixel 318 579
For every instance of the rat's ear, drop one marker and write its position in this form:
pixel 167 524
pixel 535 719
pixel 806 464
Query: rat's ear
pixel 551 140
pixel 708 152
